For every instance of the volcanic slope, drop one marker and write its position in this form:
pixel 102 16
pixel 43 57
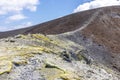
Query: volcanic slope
pixel 102 25
pixel 97 31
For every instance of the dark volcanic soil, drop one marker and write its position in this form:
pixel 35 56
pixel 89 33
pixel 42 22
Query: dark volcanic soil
pixel 104 29
pixel 57 26
pixel 101 26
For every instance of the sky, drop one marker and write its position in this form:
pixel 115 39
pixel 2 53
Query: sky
pixel 15 14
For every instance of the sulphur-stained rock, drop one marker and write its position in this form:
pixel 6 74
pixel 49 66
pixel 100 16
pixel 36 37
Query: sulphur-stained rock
pixel 83 47
pixel 61 59
pixel 5 66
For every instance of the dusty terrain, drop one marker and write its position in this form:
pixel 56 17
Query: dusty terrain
pixel 39 57
pixel 104 28
pixel 84 45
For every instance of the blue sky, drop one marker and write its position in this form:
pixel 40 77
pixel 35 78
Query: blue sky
pixel 16 14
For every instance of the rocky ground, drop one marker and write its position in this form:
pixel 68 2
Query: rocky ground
pixel 50 57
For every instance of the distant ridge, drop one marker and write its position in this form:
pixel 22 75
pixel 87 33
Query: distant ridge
pixel 57 26
pixel 85 43
pixel 101 24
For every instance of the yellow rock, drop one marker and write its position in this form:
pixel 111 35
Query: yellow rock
pixel 5 66
pixel 40 36
pixel 51 73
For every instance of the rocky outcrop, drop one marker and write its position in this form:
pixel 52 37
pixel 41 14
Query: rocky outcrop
pixel 80 46
pixel 50 57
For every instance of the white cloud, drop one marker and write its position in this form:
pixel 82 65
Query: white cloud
pixel 16 17
pixel 17 6
pixel 3 28
pixel 28 24
pixel 23 25
pixel 13 10
pixel 95 4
